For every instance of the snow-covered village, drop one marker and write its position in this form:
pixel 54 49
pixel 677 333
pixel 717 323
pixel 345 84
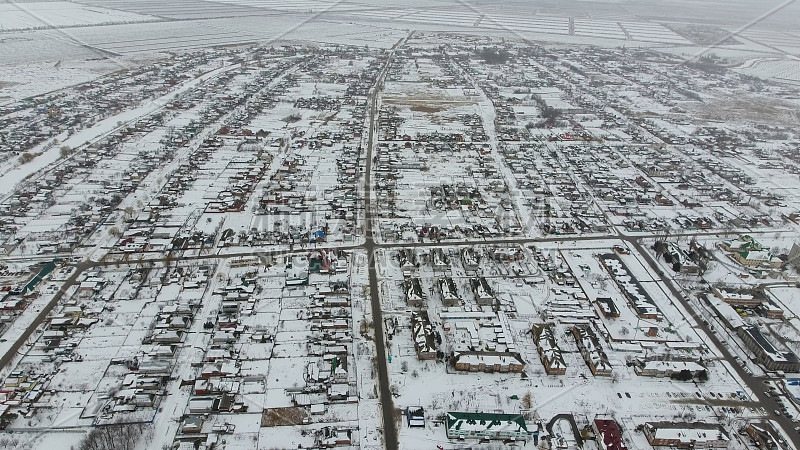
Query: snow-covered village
pixel 253 224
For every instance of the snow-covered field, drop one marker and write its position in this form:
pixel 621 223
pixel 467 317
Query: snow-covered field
pixel 58 14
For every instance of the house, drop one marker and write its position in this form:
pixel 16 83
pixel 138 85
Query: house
pixel 219 368
pixel 407 259
pixel 333 437
pixel 744 244
pixel 488 361
pixel 439 260
pixel 738 298
pixel 167 336
pixel 770 310
pixel 607 307
pixel 338 391
pixel 448 292
pixel 484 295
pixel 90 286
pixel 592 352
pixel 201 405
pixel 766 353
pixel 466 425
pixel 638 298
pixel 548 349
pixel 192 425
pixel 202 386
pixel 656 171
pixel 423 335
pixel 13 303
pixel 61 323
pixel 677 257
pixel 764 435
pixel 608 434
pixel 155 367
pixel 757 259
pixel 666 368
pixel 415 297
pixel 470 258
pixel 686 435
pixel 508 254
pixel 415 416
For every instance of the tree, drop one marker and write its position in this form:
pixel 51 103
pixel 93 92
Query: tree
pixel 26 157
pixel 494 56
pixel 65 151
pixel 292 118
pixel 527 402
pixel 112 437
pixel 683 375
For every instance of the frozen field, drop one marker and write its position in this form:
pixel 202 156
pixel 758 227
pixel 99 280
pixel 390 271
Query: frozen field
pixel 97 28
pixel 22 16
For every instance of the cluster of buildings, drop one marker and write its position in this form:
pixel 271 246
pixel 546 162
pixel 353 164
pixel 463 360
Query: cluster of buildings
pixel 270 150
pixel 35 120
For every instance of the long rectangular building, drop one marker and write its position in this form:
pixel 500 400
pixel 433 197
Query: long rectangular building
pixel 466 425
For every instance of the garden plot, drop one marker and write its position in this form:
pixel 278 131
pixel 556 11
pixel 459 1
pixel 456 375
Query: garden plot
pixel 386 14
pixel 178 9
pixel 47 223
pixel 160 36
pixel 421 100
pixel 770 174
pixel 457 18
pixel 535 24
pixel 423 114
pixel 553 97
pixel 788 42
pixel 300 6
pixel 599 28
pixel 652 32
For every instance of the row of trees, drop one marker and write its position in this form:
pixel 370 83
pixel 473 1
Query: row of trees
pixel 27 157
pixel 113 437
pixel 548 113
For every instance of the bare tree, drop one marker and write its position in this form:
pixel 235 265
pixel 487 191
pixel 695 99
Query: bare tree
pixel 112 437
pixel 527 402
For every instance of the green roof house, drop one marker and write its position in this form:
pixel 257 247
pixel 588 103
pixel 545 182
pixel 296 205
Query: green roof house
pixel 466 425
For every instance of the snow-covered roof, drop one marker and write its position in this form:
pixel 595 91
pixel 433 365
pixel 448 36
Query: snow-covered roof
pixel 686 433
pixel 674 366
pixel 480 422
